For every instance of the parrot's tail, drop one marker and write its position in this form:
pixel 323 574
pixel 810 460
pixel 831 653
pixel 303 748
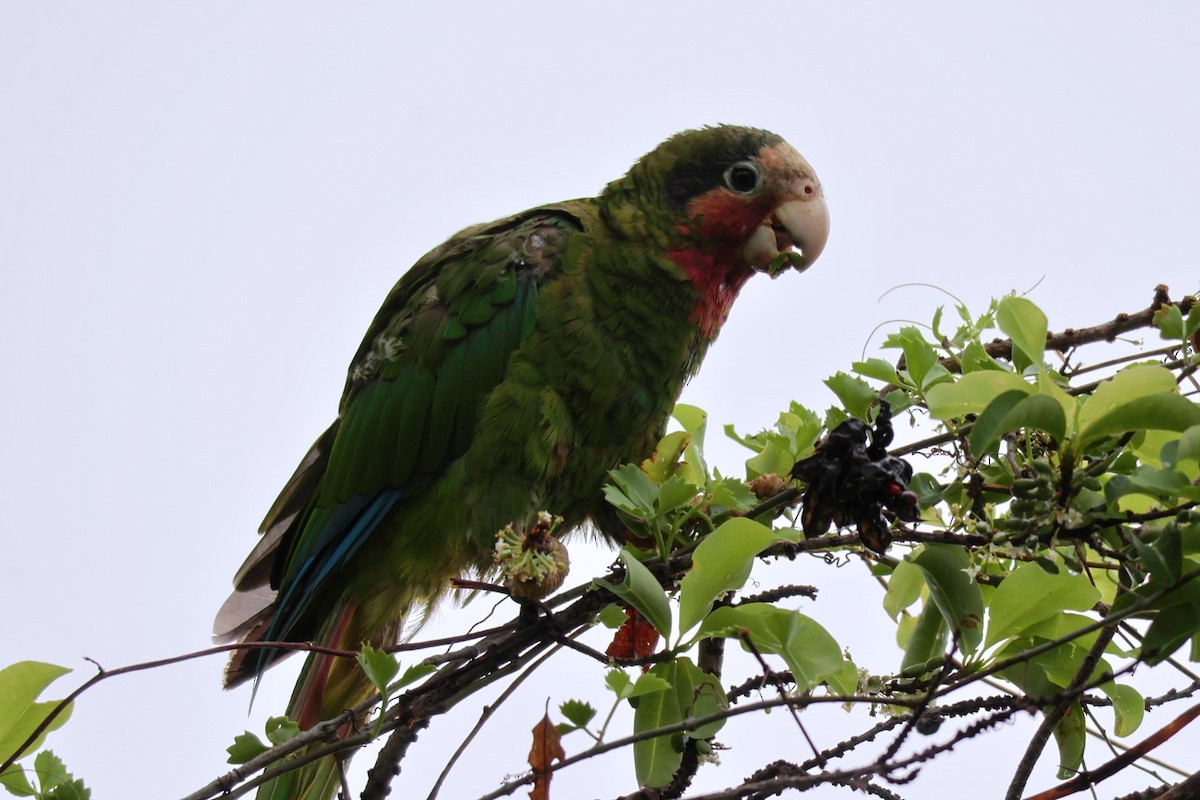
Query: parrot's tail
pixel 328 686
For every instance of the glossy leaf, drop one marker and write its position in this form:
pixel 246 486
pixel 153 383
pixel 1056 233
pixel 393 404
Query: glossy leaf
pixel 281 729
pixel 956 595
pixel 919 355
pixel 699 694
pixel 13 779
pixel 1071 737
pixel 878 369
pixel 807 648
pixel 974 358
pixel 972 393
pixel 1160 412
pixel 414 674
pixel 1030 595
pixel 656 760
pixel 1185 448
pixel 664 461
pixel 1129 707
pixel 1025 324
pixel 379 665
pixel 642 590
pixel 1162 558
pixel 695 421
pixel 721 563
pixel 855 394
pixel 926 642
pixel 903 588
pixel 1016 410
pixel 1170 629
pixel 632 491
pixel 20 685
pixel 577 712
pixel 245 747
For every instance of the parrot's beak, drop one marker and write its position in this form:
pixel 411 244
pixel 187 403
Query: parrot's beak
pixel 792 236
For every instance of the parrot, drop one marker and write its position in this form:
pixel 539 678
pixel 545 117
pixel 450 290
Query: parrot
pixel 507 372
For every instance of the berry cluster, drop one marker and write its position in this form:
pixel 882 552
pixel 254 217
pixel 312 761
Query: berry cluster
pixel 851 482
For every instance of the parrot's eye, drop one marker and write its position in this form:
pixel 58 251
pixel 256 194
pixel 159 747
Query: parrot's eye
pixel 743 177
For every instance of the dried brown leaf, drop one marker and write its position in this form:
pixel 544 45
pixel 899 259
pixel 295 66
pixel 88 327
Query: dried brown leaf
pixel 547 746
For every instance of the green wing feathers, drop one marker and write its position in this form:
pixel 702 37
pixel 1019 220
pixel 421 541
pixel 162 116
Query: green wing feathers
pixel 438 346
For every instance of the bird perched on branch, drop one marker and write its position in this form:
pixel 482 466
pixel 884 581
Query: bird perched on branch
pixel 506 373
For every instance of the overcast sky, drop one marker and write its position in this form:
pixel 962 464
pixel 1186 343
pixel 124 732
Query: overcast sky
pixel 202 206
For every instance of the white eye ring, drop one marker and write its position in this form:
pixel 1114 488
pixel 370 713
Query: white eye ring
pixel 743 177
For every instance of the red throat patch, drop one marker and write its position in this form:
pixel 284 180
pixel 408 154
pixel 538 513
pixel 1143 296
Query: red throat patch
pixel 725 220
pixel 717 280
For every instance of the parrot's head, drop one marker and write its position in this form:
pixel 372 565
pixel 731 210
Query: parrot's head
pixel 724 202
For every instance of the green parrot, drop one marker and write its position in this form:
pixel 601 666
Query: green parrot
pixel 507 372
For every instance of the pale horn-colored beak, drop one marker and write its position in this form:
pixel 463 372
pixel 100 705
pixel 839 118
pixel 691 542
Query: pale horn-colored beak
pixel 793 236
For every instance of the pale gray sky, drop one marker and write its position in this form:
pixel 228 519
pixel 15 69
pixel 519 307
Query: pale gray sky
pixel 202 205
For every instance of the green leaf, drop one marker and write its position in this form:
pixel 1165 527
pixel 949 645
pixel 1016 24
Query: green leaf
pixel 1170 629
pixel 414 674
pixel 1118 393
pixel 774 457
pixel 1071 736
pixel 855 394
pixel 1129 707
pixel 927 641
pixel 664 461
pixel 721 563
pixel 13 779
pixel 1189 443
pixel 1187 447
pixel 956 595
pixel 1158 483
pixel 1029 595
pixel 919 356
pixel 878 369
pixel 694 420
pixel 809 651
pixel 20 716
pixel 699 693
pixel 618 680
pixel 632 491
pixel 972 393
pixel 577 712
pixel 1163 558
pixel 1025 324
pixel 281 729
pixel 625 688
pixel 245 747
pixel 733 494
pixel 1016 410
pixel 1159 412
pixel 676 492
pixel 648 683
pixel 612 616
pixel 55 781
pixel 642 590
pixel 926 488
pixel 844 680
pixel 1169 321
pixel 69 790
pixel 656 760
pixel 380 667
pixel 974 357
pixel 903 588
